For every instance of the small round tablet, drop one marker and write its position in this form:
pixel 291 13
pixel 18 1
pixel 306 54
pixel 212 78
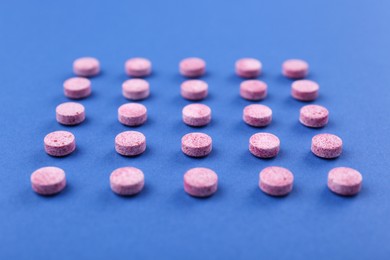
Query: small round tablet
pixel 253 89
pixel 194 89
pixel 127 181
pixel 248 68
pixel 326 145
pixel 276 181
pixel 48 180
pixel 257 115
pixel 345 181
pixel 135 89
pixel 70 113
pixel 196 144
pixel 138 67
pixel 314 116
pixel 304 90
pixel 77 88
pixel 192 67
pixel 200 182
pixel 196 115
pixel 264 145
pixel 130 143
pixel 295 68
pixel 86 67
pixel 59 143
pixel 132 114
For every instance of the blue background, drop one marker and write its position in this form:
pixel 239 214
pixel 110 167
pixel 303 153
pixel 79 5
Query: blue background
pixel 347 46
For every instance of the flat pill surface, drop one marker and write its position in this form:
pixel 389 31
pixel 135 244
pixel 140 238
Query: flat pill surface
pixel 86 67
pixel 77 88
pixel 200 182
pixel 135 89
pixel 295 68
pixel 70 113
pixel 194 89
pixel 304 90
pixel 253 89
pixel 314 116
pixel 248 68
pixel 196 115
pixel 130 143
pixel 132 114
pixel 257 115
pixel 345 181
pixel 138 67
pixel 192 67
pixel 48 180
pixel 326 146
pixel 59 143
pixel 127 181
pixel 196 144
pixel 276 181
pixel 264 145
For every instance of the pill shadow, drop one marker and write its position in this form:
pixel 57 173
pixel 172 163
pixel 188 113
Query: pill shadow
pixel 258 198
pixel 183 199
pixel 338 201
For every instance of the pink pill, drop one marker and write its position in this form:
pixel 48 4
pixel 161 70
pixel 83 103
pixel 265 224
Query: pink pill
pixel 130 143
pixel 132 114
pixel 192 67
pixel 248 68
pixel 200 182
pixel 127 181
pixel 77 88
pixel 48 180
pixel 86 67
pixel 194 89
pixel 314 116
pixel 138 67
pixel 59 143
pixel 276 181
pixel 196 144
pixel 345 181
pixel 135 89
pixel 257 115
pixel 253 90
pixel 304 90
pixel 196 115
pixel 264 145
pixel 295 68
pixel 326 145
pixel 70 113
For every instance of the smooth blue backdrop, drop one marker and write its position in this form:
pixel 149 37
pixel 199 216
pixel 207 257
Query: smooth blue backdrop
pixel 347 46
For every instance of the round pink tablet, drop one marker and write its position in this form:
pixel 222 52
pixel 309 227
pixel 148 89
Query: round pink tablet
pixel 127 181
pixel 196 144
pixel 264 145
pixel 70 113
pixel 345 181
pixel 304 90
pixel 253 89
pixel 200 182
pixel 132 114
pixel 257 115
pixel 86 67
pixel 248 68
pixel 194 89
pixel 135 89
pixel 59 143
pixel 77 88
pixel 276 181
pixel 138 67
pixel 326 145
pixel 295 68
pixel 196 115
pixel 130 143
pixel 314 116
pixel 192 67
pixel 48 180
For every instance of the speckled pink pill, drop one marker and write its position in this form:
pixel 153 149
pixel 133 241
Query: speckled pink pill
pixel 70 113
pixel 264 145
pixel 196 115
pixel 132 114
pixel 127 181
pixel 196 144
pixel 194 89
pixel 276 181
pixel 130 143
pixel 248 68
pixel 200 182
pixel 86 67
pixel 295 68
pixel 192 67
pixel 257 115
pixel 314 116
pixel 77 88
pixel 326 145
pixel 253 90
pixel 345 181
pixel 138 67
pixel 59 143
pixel 135 89
pixel 48 180
pixel 304 90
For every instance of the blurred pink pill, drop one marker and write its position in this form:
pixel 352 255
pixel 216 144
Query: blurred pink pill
pixel 345 181
pixel 196 144
pixel 248 68
pixel 70 113
pixel 314 116
pixel 253 89
pixel 200 182
pixel 264 145
pixel 138 67
pixel 257 115
pixel 276 181
pixel 192 67
pixel 77 88
pixel 130 143
pixel 326 146
pixel 127 181
pixel 194 89
pixel 304 90
pixel 59 143
pixel 132 114
pixel 196 115
pixel 86 67
pixel 48 180
pixel 135 89
pixel 295 68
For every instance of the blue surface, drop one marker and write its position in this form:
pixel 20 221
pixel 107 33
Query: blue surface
pixel 347 46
